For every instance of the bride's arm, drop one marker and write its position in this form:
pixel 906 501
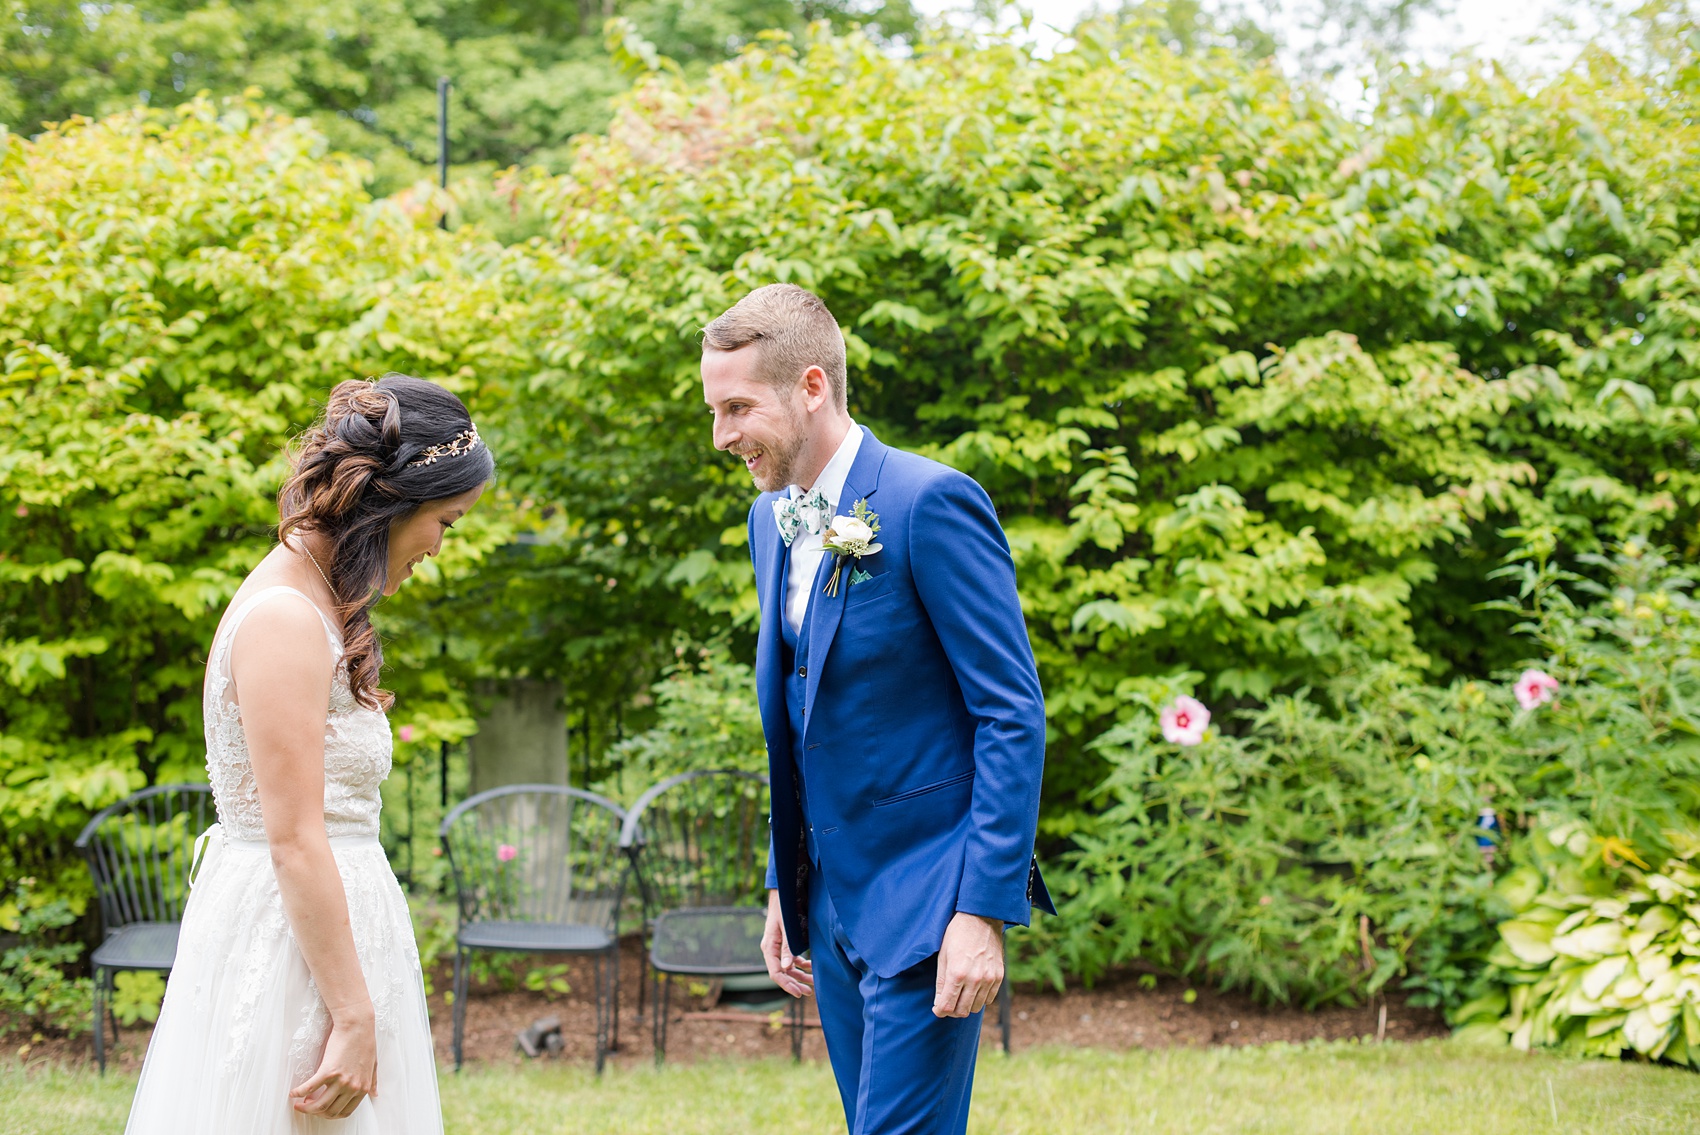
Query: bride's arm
pixel 282 665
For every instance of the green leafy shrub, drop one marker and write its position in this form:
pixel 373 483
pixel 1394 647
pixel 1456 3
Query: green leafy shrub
pixel 1618 747
pixel 36 994
pixel 176 291
pixel 136 996
pixel 1254 387
pixel 551 980
pixel 1329 848
pixel 1600 956
pixel 434 927
pixel 1316 856
pixel 706 717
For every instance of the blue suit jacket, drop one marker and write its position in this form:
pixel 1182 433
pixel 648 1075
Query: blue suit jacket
pixel 925 734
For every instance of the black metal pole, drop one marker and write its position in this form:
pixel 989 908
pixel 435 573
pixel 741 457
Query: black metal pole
pixel 412 810
pixel 443 654
pixel 443 143
pixel 443 776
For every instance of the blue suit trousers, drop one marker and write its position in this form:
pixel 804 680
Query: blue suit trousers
pixel 900 1070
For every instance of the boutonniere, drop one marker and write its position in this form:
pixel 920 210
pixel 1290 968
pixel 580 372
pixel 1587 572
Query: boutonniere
pixel 850 538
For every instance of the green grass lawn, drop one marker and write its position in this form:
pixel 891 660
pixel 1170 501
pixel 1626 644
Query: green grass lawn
pixel 1433 1087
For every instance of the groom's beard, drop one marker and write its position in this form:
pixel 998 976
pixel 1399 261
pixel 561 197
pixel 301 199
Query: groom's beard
pixel 779 466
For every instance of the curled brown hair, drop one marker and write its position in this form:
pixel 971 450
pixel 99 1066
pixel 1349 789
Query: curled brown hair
pixel 357 472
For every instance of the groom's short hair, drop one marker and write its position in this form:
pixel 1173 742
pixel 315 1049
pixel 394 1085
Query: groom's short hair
pixel 794 331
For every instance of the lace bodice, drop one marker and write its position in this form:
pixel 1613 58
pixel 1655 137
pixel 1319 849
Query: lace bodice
pixel 357 741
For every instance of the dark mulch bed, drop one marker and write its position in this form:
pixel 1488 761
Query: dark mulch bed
pixel 1117 1013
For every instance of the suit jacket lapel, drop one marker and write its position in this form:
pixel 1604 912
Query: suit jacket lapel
pixel 770 682
pixel 827 611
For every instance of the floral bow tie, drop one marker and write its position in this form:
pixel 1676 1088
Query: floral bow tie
pixel 811 511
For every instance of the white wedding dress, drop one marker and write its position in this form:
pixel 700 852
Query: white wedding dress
pixel 242 1021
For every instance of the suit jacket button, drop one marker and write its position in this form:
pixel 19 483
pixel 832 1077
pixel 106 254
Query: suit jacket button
pixel 802 671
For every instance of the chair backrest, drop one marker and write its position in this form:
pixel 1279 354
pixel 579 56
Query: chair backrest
pixel 140 851
pixel 700 839
pixel 536 853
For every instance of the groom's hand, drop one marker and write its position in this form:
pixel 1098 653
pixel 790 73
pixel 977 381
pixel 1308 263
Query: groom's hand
pixel 970 966
pixel 792 974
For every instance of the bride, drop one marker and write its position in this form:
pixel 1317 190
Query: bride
pixel 296 998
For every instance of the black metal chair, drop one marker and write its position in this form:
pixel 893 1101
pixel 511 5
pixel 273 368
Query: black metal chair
pixel 538 869
pixel 698 844
pixel 140 852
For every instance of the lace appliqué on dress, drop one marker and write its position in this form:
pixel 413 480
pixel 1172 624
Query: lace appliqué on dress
pixel 357 747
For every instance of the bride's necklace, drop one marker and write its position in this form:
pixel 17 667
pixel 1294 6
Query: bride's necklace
pixel 314 560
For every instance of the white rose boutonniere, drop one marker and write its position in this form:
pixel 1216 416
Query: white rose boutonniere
pixel 850 538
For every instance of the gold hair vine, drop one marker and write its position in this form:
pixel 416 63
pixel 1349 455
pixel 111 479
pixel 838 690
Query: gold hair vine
pixel 459 446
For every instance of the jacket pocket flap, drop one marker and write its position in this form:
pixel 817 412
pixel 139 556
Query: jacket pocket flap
pixel 924 789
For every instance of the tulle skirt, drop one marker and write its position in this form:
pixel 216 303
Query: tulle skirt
pixel 242 1022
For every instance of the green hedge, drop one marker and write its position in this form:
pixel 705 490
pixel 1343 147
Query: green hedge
pixel 176 293
pixel 1254 387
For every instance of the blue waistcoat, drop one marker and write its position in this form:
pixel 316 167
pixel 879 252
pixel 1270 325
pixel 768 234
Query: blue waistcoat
pixel 796 697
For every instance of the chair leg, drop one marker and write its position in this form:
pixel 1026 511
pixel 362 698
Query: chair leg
pixel 460 1006
pixel 111 1004
pixel 643 983
pixel 600 963
pixel 1004 1001
pixel 796 1030
pixel 659 1008
pixel 100 1019
pixel 614 1004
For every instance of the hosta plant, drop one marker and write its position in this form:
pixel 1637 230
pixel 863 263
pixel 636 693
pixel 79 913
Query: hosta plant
pixel 1592 968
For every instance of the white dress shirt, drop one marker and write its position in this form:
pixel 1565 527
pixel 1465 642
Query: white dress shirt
pixel 806 550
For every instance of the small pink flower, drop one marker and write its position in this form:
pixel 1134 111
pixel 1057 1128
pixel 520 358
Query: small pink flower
pixel 1184 721
pixel 1535 687
pixel 506 852
pixel 406 733
pixel 23 510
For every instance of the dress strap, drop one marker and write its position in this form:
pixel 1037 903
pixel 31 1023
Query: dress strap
pixel 265 593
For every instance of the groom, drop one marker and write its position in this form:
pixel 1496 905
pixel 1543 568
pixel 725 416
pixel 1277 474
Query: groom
pixel 905 726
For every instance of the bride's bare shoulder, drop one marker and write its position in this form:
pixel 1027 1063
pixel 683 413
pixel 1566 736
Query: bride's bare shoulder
pixel 280 627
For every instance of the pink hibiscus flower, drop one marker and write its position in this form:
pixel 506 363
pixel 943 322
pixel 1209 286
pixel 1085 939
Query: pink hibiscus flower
pixel 1184 721
pixel 1535 687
